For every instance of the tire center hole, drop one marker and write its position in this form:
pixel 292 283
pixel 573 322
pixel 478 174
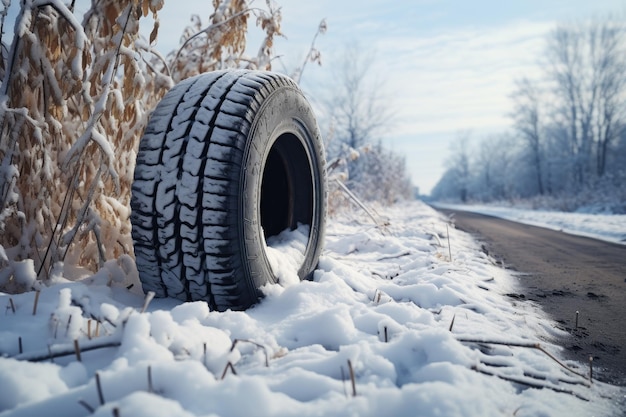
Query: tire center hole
pixel 286 208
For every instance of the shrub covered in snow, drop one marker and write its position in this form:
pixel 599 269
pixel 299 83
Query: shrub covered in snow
pixel 74 101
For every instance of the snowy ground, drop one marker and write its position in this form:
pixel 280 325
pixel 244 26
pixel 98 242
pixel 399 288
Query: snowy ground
pixel 609 227
pixel 390 326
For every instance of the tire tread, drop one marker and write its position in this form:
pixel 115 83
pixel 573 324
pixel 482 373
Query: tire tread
pixel 186 185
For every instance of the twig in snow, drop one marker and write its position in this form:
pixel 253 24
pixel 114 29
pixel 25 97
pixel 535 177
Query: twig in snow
pixel 352 379
pixel 551 356
pixel 436 238
pixel 108 320
pixel 449 248
pixel 537 375
pixel 86 309
pixel 523 345
pixel 150 386
pixel 12 305
pixel 87 406
pixel 380 224
pixel 267 361
pixel 385 276
pixel 77 350
pixel 36 302
pixel 204 354
pixel 116 412
pixel 99 388
pixel 528 383
pixel 56 326
pixel 384 258
pixel 452 323
pixel 147 300
pixel 378 297
pixel 343 381
pixel 228 366
pixel 66 350
pixel 19 342
pixel 67 326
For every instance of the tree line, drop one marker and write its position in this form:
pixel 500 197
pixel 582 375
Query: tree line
pixel 568 128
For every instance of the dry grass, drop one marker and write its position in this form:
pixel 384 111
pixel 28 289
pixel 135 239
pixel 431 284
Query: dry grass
pixel 74 101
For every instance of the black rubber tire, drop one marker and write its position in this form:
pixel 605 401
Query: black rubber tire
pixel 227 159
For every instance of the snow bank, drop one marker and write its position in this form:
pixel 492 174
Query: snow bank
pixel 390 325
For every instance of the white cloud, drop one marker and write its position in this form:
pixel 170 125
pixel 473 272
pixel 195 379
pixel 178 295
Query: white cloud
pixel 449 65
pixel 444 83
pixel 461 79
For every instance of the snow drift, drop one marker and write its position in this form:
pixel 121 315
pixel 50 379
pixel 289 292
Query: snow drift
pixel 390 325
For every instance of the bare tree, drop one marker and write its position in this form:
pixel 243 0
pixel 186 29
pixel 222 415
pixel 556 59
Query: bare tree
pixel 527 123
pixel 492 167
pixel 361 115
pixel 358 103
pixel 459 164
pixel 569 127
pixel 587 66
pixel 608 59
pixel 565 54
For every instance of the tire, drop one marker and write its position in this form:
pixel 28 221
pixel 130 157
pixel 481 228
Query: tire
pixel 228 159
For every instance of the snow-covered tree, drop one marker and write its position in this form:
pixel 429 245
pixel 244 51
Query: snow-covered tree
pixel 360 113
pixel 568 131
pixel 528 124
pixel 384 177
pixel 587 67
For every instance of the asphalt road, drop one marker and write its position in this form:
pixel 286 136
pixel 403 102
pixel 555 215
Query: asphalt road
pixel 564 274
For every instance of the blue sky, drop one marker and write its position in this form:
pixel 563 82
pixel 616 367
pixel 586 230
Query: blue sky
pixel 447 65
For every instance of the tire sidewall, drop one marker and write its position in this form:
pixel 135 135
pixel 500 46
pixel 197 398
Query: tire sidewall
pixel 284 111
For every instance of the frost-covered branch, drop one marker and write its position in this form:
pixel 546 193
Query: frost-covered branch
pixel 222 43
pixel 313 55
pixel 74 101
pixel 209 29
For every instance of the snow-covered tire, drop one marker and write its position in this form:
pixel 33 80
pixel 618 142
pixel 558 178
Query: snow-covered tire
pixel 228 158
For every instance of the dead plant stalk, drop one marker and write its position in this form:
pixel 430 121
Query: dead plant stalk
pixel 523 345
